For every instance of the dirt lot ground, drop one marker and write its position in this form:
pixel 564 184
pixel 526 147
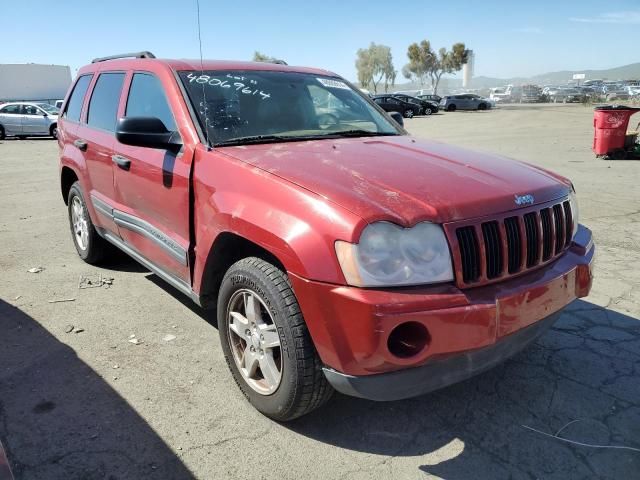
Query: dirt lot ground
pixel 92 405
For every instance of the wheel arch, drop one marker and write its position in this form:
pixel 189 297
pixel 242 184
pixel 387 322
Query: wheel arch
pixel 68 177
pixel 228 248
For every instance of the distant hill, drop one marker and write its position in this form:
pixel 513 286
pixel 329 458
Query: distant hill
pixel 625 72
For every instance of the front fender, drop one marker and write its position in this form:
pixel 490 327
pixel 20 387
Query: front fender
pixel 296 226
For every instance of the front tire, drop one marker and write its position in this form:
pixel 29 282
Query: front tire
pixel 266 342
pixel 90 246
pixel 53 131
pixel 428 111
pixel 2 134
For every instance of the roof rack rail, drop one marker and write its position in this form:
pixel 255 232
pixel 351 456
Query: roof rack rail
pixel 144 54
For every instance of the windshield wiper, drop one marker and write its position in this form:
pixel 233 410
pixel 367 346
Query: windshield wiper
pixel 358 133
pixel 257 139
pixel 253 139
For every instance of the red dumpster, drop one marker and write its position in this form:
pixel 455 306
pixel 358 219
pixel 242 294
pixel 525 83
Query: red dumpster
pixel 610 123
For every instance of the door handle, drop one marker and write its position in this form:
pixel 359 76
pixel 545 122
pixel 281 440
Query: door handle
pixel 122 162
pixel 81 144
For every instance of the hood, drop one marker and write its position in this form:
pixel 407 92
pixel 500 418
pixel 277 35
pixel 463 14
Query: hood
pixel 403 179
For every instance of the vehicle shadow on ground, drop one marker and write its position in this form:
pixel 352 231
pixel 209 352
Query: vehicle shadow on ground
pixel 584 370
pixel 208 316
pixel 60 420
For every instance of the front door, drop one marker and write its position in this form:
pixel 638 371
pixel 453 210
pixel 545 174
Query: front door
pixel 152 186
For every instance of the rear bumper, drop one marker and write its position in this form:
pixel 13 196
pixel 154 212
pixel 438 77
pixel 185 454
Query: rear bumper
pixel 439 373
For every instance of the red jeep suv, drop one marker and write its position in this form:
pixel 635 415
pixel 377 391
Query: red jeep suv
pixel 339 252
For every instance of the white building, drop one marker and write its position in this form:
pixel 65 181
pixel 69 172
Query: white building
pixel 467 69
pixel 32 81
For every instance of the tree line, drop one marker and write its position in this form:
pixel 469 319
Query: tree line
pixel 374 64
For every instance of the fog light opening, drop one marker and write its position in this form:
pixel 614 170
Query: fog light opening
pixel 408 339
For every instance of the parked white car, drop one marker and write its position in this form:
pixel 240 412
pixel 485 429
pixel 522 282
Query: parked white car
pixel 26 119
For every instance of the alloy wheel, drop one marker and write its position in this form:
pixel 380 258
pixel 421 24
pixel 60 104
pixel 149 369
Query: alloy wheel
pixel 80 225
pixel 254 341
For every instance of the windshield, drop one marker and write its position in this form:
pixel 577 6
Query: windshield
pixel 241 107
pixel 49 108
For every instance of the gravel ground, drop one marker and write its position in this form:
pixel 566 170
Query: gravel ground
pixel 89 404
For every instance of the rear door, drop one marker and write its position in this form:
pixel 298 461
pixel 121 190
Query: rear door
pixel 152 185
pixel 11 119
pixel 394 105
pixel 382 101
pixel 95 138
pixel 34 121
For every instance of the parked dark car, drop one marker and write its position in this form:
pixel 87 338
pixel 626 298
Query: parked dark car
pixel 426 107
pixel 390 103
pixel 566 95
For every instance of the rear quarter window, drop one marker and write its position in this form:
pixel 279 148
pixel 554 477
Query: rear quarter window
pixel 74 105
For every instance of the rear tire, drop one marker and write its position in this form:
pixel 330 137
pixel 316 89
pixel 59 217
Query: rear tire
pixel 91 247
pixel 408 113
pixel 268 305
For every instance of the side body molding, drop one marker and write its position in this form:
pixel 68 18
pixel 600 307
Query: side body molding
pixel 140 226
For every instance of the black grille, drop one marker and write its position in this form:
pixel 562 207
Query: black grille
pixel 514 247
pixel 469 252
pixel 568 221
pixel 493 248
pixel 558 219
pixel 547 240
pixel 533 238
pixel 547 232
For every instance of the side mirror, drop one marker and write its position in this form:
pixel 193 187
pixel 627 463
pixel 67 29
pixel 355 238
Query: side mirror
pixel 397 116
pixel 45 114
pixel 148 132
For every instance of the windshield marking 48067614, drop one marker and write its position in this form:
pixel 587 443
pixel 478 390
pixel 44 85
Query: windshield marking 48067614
pixel 258 106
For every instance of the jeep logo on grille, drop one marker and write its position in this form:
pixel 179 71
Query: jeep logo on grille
pixel 524 199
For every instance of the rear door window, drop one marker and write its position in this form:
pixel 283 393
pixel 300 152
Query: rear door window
pixel 103 106
pixel 74 105
pixel 11 110
pixel 147 99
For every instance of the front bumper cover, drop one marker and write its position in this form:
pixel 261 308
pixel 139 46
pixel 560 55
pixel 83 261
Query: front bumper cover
pixel 437 373
pixel 470 330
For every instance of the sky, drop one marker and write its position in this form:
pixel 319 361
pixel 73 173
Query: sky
pixel 509 38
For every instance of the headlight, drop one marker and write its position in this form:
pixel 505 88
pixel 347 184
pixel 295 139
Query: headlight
pixel 389 255
pixel 575 214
